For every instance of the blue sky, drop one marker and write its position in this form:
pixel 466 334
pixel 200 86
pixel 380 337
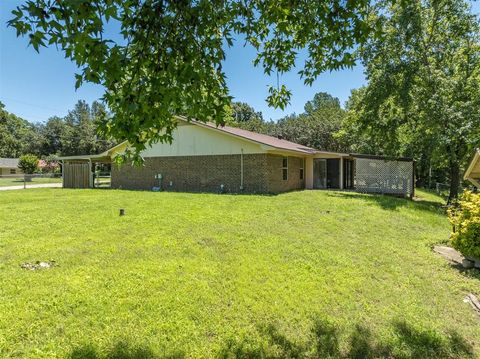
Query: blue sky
pixel 38 86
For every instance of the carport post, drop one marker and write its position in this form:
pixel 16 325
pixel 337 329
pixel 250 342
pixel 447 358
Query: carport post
pixel 62 166
pixel 308 173
pixel 413 180
pixel 341 172
pixel 91 173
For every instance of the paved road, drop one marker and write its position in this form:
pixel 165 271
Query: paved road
pixel 42 185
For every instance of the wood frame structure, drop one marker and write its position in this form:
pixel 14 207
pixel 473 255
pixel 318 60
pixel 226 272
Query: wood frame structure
pixel 472 174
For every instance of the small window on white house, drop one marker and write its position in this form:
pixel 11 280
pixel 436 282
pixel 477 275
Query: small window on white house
pixel 302 169
pixel 13 171
pixel 285 168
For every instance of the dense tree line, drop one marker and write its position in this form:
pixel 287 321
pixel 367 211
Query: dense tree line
pixel 74 134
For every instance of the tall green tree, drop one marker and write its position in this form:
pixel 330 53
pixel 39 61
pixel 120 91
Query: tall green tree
pixel 17 136
pixel 243 112
pixel 167 57
pixel 317 127
pixel 423 92
pixel 78 135
pixel 53 136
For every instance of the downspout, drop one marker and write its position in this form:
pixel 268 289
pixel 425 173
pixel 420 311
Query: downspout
pixel 241 170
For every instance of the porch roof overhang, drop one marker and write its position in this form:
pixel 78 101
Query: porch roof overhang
pixel 378 157
pixel 327 154
pixel 103 159
pixel 472 173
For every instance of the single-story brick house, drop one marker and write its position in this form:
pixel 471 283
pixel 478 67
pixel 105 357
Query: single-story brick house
pixel 472 174
pixel 207 158
pixel 9 166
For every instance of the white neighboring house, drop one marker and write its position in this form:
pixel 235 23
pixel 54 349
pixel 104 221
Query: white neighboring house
pixel 473 171
pixel 9 166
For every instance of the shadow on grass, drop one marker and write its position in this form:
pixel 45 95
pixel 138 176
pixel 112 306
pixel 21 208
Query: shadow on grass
pixel 121 350
pixel 473 273
pixel 326 340
pixel 390 202
pixel 360 343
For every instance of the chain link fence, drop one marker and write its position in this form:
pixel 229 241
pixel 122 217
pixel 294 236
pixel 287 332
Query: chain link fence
pixel 384 176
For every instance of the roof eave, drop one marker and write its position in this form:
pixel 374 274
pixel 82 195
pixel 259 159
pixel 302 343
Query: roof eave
pixel 472 164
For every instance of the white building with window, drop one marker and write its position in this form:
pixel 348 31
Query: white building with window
pixel 9 166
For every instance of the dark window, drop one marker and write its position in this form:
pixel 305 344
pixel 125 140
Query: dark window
pixel 285 168
pixel 302 169
pixel 13 171
pixel 301 173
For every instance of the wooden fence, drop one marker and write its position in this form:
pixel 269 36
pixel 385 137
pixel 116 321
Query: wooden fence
pixel 77 175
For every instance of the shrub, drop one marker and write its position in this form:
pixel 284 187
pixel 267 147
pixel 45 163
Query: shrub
pixel 28 163
pixel 465 219
pixel 49 164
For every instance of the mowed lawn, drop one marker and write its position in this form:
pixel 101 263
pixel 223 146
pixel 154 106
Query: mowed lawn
pixel 305 274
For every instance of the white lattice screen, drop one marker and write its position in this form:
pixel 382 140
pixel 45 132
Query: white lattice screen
pixel 381 176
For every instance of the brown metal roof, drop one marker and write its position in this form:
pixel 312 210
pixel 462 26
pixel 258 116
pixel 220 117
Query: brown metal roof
pixel 260 138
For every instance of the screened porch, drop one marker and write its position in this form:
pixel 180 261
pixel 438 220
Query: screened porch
pixel 362 173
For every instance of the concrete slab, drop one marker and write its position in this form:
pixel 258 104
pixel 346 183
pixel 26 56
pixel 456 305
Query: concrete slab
pixel 40 185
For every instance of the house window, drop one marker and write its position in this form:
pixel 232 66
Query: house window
pixel 302 169
pixel 13 171
pixel 285 168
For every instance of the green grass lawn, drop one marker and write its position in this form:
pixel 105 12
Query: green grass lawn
pixel 18 181
pixel 305 274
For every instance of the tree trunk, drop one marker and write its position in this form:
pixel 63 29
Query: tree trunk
pixel 454 181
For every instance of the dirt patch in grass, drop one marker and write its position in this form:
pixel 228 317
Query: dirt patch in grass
pixel 38 265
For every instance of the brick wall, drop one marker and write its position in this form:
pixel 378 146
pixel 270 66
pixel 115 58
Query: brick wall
pixel 262 174
pixel 195 174
pixel 276 183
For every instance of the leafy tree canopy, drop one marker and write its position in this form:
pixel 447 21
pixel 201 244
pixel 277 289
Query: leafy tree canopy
pixel 166 58
pixel 317 127
pixel 17 136
pixel 243 112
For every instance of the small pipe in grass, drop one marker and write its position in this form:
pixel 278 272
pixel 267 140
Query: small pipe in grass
pixel 122 212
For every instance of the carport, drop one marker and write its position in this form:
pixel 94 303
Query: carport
pixel 78 171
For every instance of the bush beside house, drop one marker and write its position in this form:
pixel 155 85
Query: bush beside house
pixel 465 219
pixel 28 164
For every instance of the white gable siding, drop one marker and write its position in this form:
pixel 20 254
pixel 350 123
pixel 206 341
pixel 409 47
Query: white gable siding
pixel 194 140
